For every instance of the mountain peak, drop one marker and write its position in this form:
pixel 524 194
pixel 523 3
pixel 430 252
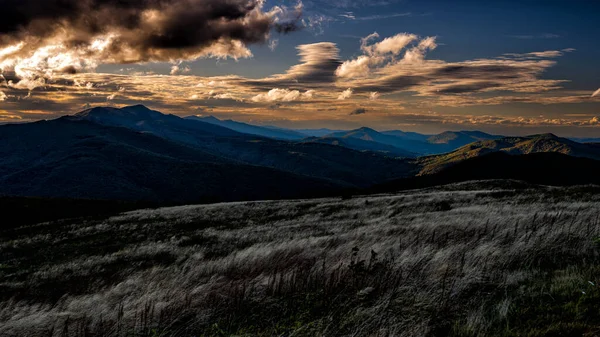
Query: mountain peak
pixel 546 136
pixel 367 130
pixel 141 111
pixel 95 111
pixel 131 112
pixel 208 119
pixel 139 107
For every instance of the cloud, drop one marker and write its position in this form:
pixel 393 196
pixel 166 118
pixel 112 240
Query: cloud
pixel 358 111
pixel 283 95
pixel 347 4
pixel 359 67
pixel 286 20
pixel 541 54
pixel 273 44
pixel 378 77
pixel 317 22
pixel 348 15
pixel 417 53
pixel 434 118
pixel 540 36
pixel 382 16
pixel 384 69
pixel 470 100
pixel 351 16
pixel 318 64
pixel 547 54
pixel 391 45
pixel 171 94
pixel 346 94
pixel 383 51
pixel 40 38
pixel 594 121
pixel 177 69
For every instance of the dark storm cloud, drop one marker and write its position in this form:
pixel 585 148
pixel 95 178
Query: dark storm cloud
pixel 145 30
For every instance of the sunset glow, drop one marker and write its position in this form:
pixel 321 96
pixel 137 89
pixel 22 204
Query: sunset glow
pixel 404 65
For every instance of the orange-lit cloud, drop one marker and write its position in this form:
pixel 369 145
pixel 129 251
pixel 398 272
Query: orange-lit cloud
pixel 283 95
pixel 42 39
pixel 393 75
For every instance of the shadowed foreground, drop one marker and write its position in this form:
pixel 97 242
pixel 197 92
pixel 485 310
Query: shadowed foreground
pixel 465 260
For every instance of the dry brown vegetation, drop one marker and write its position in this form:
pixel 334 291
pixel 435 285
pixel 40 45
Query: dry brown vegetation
pixel 476 259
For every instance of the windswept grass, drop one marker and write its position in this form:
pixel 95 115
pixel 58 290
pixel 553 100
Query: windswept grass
pixel 457 261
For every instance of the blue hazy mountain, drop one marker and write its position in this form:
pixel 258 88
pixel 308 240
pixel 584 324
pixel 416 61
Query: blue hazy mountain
pixel 270 132
pixel 135 153
pixel 452 140
pixel 393 142
pixel 407 135
pixel 586 140
pixel 406 144
pixel 363 145
pixel 75 158
pixel 317 132
pixel 414 142
pixel 337 164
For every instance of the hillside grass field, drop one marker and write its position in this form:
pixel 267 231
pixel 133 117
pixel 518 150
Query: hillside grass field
pixel 494 258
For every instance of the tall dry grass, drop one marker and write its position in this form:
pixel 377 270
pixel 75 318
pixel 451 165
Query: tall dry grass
pixel 456 261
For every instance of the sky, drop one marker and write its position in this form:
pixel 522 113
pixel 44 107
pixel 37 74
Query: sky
pixel 505 67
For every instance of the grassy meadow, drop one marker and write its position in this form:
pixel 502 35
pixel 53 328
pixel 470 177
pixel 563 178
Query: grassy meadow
pixel 473 259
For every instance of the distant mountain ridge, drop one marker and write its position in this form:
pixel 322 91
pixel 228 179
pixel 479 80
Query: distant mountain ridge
pixel 135 153
pixel 70 158
pixel 409 145
pixel 392 142
pixel 338 164
pixel 407 135
pixel 543 168
pixel 549 143
pixel 251 129
pixel 317 132
pixel 451 140
pixel 140 118
pixel 412 144
pixel 363 145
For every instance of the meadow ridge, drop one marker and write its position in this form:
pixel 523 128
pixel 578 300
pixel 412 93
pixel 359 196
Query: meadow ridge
pixel 490 258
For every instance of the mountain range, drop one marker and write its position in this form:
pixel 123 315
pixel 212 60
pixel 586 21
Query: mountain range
pixel 138 154
pixel 250 129
pixel 411 144
pixel 542 168
pixel 511 145
pixel 70 158
pixel 394 143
